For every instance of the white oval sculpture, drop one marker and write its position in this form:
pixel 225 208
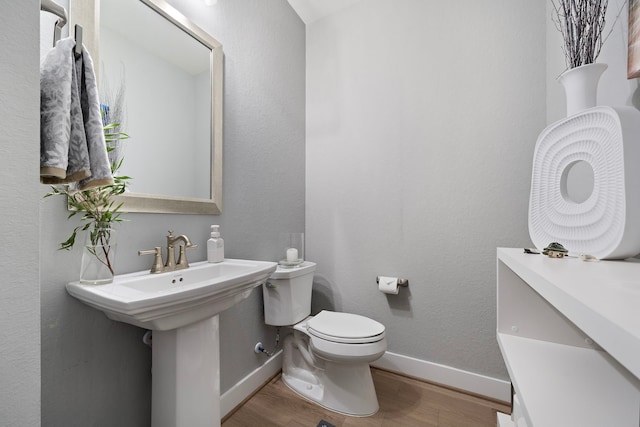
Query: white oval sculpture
pixel 607 223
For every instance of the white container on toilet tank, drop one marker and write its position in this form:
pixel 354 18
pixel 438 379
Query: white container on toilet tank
pixel 287 294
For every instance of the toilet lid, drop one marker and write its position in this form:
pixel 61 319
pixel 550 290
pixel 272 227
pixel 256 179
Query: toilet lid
pixel 345 327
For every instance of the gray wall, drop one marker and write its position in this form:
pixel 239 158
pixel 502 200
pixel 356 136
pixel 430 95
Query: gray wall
pixel 96 372
pixel 19 198
pixel 421 122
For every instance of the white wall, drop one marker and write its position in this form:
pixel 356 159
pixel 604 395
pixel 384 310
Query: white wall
pixel 19 198
pixel 421 122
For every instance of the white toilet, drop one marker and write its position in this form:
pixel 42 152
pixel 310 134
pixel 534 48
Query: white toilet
pixel 326 359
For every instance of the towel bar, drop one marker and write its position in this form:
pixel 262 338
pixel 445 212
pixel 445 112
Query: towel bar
pixel 58 10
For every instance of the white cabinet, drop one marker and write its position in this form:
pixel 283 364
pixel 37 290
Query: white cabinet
pixel 569 332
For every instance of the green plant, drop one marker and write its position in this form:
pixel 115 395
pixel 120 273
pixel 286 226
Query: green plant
pixel 96 205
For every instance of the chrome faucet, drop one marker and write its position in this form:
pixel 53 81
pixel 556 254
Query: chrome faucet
pixel 170 264
pixel 157 266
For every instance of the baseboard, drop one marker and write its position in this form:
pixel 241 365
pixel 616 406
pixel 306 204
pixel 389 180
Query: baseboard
pixel 249 384
pixel 452 377
pixel 427 371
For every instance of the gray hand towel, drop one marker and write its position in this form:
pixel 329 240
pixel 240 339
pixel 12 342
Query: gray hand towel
pixel 72 145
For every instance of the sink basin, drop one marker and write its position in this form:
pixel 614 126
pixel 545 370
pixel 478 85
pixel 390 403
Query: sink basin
pixel 175 299
pixel 181 307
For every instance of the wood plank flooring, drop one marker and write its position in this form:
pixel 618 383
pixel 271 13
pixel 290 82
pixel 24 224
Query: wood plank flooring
pixel 404 402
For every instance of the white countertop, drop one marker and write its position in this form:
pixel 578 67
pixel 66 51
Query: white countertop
pixel 602 298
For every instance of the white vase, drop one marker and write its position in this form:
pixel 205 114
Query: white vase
pixel 606 224
pixel 581 86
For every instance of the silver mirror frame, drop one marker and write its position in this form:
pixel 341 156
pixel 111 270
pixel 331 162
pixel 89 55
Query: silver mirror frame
pixel 86 13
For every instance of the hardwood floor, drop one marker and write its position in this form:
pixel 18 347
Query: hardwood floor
pixel 403 402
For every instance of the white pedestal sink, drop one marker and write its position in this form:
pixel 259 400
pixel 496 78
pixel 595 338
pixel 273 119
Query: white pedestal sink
pixel 181 307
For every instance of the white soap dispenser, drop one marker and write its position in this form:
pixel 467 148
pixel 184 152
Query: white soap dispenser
pixel 215 245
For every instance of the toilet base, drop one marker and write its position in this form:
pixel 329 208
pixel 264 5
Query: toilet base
pixel 346 388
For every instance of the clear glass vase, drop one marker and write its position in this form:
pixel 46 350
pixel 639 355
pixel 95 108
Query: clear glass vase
pixel 98 255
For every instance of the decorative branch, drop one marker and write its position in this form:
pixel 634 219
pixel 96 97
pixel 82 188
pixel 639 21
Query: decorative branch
pixel 581 23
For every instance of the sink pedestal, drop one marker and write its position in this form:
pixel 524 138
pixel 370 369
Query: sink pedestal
pixel 185 390
pixel 181 308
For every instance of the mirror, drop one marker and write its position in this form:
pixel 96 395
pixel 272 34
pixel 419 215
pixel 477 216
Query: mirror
pixel 171 74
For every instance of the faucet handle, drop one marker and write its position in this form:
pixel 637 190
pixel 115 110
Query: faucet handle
pixel 182 257
pixel 157 266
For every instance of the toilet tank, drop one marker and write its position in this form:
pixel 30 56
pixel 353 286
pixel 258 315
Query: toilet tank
pixel 287 294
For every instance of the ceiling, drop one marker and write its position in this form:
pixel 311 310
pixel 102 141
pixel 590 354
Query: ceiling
pixel 312 10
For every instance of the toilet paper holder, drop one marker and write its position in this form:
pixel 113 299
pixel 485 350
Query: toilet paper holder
pixel 401 282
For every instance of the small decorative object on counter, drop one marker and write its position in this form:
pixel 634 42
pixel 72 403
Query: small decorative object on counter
pixel 555 250
pixel 588 258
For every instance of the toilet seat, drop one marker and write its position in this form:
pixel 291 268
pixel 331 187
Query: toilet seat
pixel 345 328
